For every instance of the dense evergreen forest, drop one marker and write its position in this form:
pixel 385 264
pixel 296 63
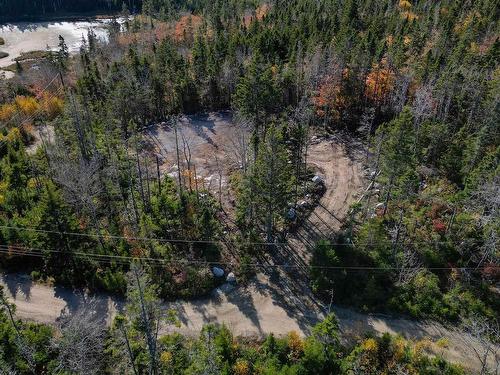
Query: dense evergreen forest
pixel 417 82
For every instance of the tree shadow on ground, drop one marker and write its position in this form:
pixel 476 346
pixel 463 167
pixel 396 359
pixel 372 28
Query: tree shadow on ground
pixel 18 283
pixel 105 305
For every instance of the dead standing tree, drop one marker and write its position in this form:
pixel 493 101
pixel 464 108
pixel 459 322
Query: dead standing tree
pixel 186 151
pixel 239 142
pixel 175 122
pixel 486 199
pixel 423 108
pixel 483 337
pixel 80 346
pixel 80 182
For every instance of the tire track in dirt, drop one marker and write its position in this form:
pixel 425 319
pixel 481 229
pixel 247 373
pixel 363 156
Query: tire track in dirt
pixel 275 300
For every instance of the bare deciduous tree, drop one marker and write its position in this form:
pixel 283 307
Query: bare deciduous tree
pixel 239 141
pixel 399 94
pixel 409 265
pixel 486 200
pixel 423 104
pixel 483 337
pixel 145 314
pixel 80 182
pixel 228 77
pixel 186 151
pixel 81 344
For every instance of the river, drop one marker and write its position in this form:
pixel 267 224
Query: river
pixel 31 36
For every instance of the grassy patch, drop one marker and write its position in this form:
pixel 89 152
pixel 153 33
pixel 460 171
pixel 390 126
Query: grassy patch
pixel 33 55
pixel 27 60
pixel 3 54
pixel 2 41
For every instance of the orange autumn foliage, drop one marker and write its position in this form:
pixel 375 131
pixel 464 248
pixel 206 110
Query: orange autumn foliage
pixel 379 83
pixel 247 20
pixel 161 30
pixel 25 107
pixel 329 100
pixel 186 27
pixel 262 11
pixel 409 16
pixel 404 4
pixel 406 12
pixel 137 252
pixel 126 39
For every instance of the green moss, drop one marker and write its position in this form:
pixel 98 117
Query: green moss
pixel 33 55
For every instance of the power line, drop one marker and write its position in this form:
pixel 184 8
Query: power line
pixel 32 117
pixel 34 114
pixel 192 241
pixel 43 90
pixel 28 251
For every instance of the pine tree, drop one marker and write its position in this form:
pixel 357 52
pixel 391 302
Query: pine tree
pixel 270 183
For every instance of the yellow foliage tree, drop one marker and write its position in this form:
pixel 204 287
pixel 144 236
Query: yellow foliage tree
pixel 370 345
pixel 241 367
pixel 404 4
pixel 166 358
pixel 52 106
pixel 27 104
pixel 7 112
pixel 296 345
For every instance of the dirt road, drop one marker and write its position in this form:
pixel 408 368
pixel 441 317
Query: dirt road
pixel 338 161
pixel 266 305
pixel 276 300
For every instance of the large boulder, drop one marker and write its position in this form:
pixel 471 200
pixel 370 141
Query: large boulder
pixel 218 272
pixel 317 179
pixel 231 277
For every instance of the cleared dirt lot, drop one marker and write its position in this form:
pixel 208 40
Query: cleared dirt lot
pixel 276 300
pixel 211 143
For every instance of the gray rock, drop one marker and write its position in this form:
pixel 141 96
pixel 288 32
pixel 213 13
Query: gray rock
pixel 231 277
pixel 218 272
pixel 317 179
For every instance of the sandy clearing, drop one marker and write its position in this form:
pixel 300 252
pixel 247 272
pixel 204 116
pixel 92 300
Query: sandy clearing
pixel 214 146
pixel 212 139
